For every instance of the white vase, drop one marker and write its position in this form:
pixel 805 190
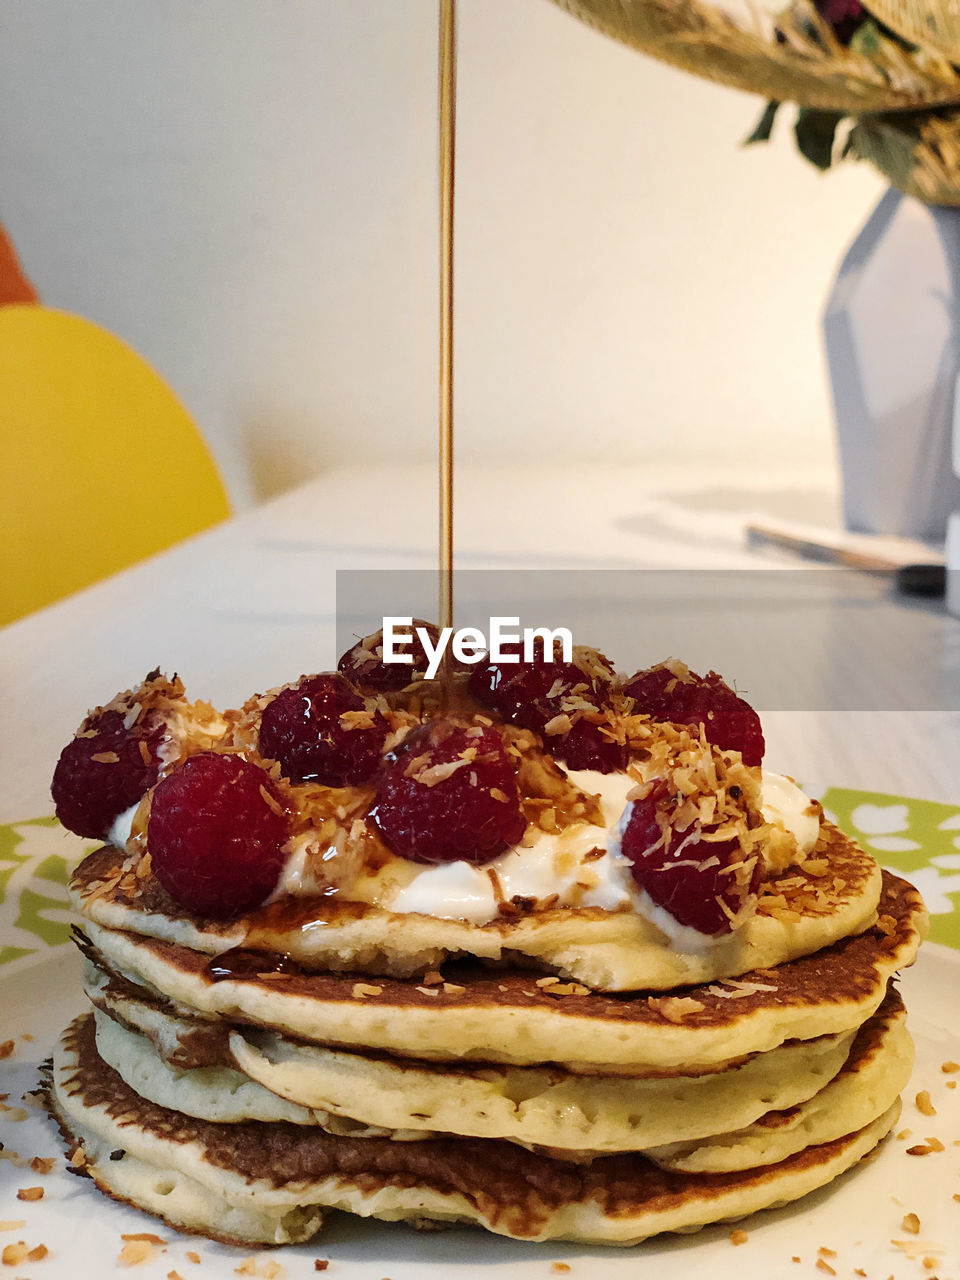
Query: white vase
pixel 892 332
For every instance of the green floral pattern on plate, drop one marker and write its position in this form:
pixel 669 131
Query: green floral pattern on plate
pixel 919 839
pixel 36 858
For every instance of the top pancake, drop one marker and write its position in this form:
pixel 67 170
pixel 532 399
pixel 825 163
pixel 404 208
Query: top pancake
pixel 800 911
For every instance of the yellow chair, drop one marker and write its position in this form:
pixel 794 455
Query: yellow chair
pixel 100 464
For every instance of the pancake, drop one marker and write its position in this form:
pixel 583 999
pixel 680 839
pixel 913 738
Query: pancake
pixel 877 1069
pixel 271 1182
pixel 800 910
pixel 212 1093
pixel 221 1094
pixel 181 1038
pixel 186 1040
pixel 509 1017
pixel 539 1107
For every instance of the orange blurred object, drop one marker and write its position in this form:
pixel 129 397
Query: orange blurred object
pixel 14 285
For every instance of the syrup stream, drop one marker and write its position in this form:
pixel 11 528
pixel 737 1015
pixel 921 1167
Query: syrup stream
pixel 447 112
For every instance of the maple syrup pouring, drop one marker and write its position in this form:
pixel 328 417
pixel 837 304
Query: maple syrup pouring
pixel 447 113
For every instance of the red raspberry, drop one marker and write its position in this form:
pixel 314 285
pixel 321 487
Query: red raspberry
pixel 730 723
pixel 99 777
pixel 302 729
pixel 472 813
pixel 585 747
pixel 683 876
pixel 530 694
pixel 844 16
pixel 216 834
pixel 363 665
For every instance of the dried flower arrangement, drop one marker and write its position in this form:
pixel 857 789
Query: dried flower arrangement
pixel 878 81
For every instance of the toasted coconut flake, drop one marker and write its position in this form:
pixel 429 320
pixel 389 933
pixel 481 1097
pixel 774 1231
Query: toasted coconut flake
pixel 271 802
pixel 6 1048
pixel 30 1193
pixel 357 719
pixel 438 772
pixel 363 989
pixel 925 1148
pixel 558 724
pixel 738 1237
pixel 498 895
pixel 14 1253
pixel 924 1105
pixel 916 1250
pixel 674 1008
pixel 911 1223
pixel 13 1226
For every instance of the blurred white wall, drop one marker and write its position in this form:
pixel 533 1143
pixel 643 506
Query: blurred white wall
pixel 245 191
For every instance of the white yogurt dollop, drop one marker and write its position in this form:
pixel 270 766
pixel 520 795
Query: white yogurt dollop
pixel 553 865
pixel 581 866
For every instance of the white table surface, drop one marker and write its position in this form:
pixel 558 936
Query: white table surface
pixel 250 605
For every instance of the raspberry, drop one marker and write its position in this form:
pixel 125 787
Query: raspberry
pixel 530 694
pixel 729 722
pixel 844 16
pixel 303 729
pixel 683 876
pixel 89 792
pixel 429 814
pixel 363 665
pixel 216 834
pixel 585 747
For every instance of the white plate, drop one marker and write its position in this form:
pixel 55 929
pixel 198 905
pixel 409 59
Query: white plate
pixel 857 1217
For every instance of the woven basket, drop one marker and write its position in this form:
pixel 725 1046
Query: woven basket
pixel 905 104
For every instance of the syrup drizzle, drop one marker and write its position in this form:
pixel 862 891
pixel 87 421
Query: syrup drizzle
pixel 447 113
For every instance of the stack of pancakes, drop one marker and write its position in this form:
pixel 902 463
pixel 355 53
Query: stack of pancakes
pixel 240 1079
